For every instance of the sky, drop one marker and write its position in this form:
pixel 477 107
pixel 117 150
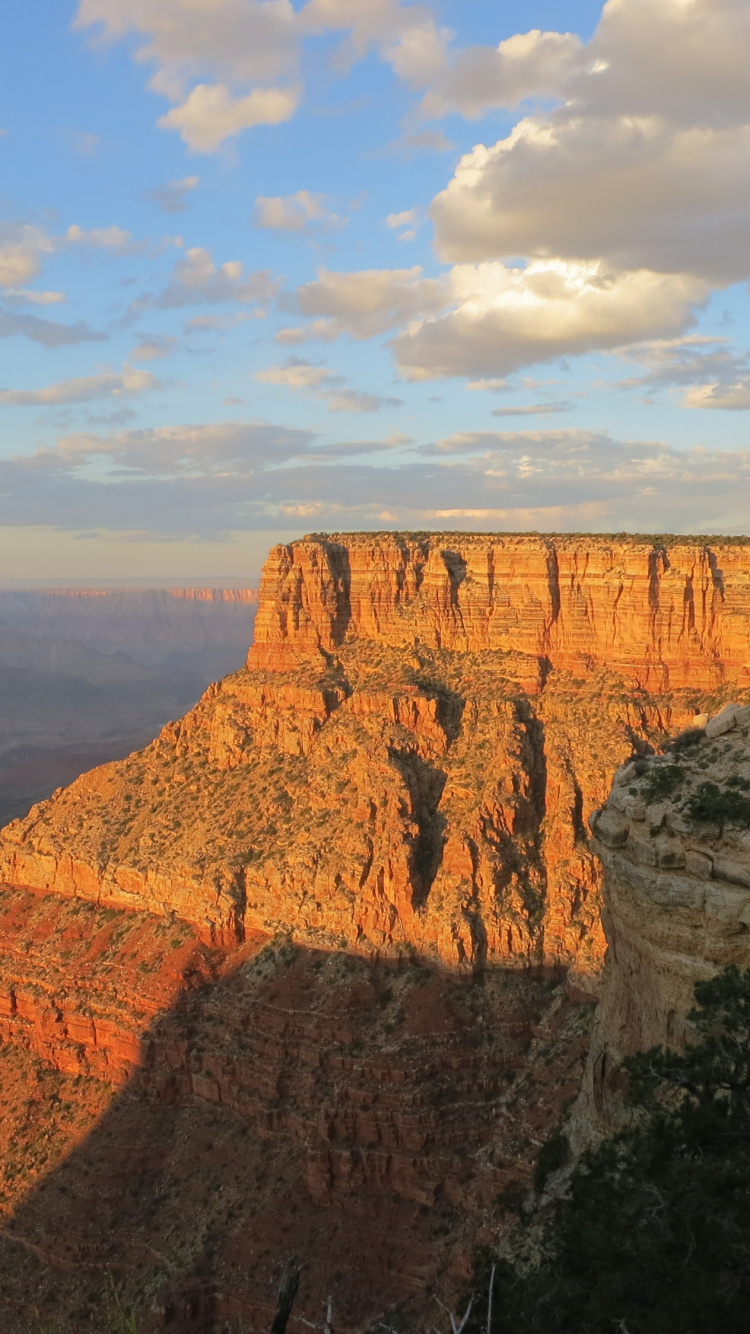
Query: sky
pixel 270 267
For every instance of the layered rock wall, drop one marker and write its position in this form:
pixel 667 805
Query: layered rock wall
pixel 409 759
pixel 669 615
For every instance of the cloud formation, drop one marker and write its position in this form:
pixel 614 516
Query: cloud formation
pixel 643 165
pixel 235 64
pixel 294 213
pixel 211 480
pixel 197 280
pixel 83 389
pixel 300 375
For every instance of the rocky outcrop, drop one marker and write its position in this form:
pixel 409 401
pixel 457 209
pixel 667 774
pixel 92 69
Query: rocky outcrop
pixel 410 757
pixel 674 841
pixel 668 615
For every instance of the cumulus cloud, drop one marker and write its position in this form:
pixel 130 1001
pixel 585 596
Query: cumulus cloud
pixel 523 66
pixel 114 239
pixel 234 64
pixel 503 318
pixel 83 389
pixel 22 247
pixel 172 196
pixel 294 213
pixel 197 280
pixel 365 303
pixel 210 114
pixel 304 376
pixel 643 165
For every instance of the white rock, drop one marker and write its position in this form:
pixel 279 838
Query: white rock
pixel 727 869
pixel 722 722
pixel 699 864
pixel 612 829
pixel 699 721
pixel 623 774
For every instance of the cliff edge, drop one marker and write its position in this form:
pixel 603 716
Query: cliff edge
pixel 674 840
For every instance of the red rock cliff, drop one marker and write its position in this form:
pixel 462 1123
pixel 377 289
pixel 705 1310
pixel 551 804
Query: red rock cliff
pixel 668 615
pixel 409 758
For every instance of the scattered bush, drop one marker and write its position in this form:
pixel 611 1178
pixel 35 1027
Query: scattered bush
pixel 686 740
pixel 661 781
pixel 712 805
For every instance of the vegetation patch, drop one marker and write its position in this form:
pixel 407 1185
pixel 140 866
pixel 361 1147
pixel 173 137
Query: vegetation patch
pixel 714 805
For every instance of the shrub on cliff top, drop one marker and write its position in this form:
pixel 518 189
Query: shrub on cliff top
pixel 654 1234
pixel 712 805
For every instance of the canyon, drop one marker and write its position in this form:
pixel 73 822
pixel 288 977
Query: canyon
pixel 89 675
pixel 314 971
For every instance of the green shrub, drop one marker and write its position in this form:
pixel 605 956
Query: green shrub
pixel 661 781
pixel 711 805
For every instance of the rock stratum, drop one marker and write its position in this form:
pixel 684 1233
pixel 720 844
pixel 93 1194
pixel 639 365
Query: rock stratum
pixel 674 841
pixel 322 955
pixel 409 759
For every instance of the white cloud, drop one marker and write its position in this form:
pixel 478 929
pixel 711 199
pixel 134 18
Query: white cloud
pixel 231 64
pixel 114 239
pixel 480 77
pixel 731 396
pixel 504 318
pixel 196 279
pixel 365 303
pixel 294 213
pixel 21 250
pixel 107 384
pixel 300 375
pixel 171 197
pixel 645 164
pixel 210 114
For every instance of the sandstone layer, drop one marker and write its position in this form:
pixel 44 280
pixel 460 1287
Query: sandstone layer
pixel 409 759
pixel 674 840
pixel 394 793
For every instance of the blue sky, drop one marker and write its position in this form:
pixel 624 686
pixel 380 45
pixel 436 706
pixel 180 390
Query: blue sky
pixel 272 267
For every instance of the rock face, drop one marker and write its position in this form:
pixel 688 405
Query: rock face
pixel 184 1116
pixel 325 944
pixel 410 756
pixel 674 840
pixel 668 616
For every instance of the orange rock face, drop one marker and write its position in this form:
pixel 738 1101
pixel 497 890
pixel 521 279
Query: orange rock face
pixel 399 784
pixel 669 616
pixel 409 759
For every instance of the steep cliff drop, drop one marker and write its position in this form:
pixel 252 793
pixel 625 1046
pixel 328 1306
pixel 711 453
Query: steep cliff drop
pixel 333 933
pixel 674 840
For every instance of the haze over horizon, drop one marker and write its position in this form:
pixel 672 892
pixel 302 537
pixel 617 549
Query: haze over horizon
pixel 274 266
